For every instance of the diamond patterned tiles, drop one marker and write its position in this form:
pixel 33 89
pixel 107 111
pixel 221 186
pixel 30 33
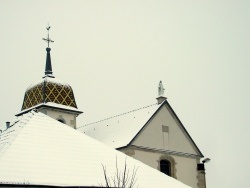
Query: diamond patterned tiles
pixel 49 91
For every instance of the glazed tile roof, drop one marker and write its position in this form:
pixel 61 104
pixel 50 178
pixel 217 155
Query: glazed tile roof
pixel 49 90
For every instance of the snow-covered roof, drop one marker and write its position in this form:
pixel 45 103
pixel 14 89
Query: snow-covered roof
pixel 39 150
pixel 119 130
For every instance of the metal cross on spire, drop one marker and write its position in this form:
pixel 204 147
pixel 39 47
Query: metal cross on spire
pixel 48 40
pixel 48 65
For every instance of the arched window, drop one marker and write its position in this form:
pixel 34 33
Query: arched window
pixel 165 167
pixel 61 120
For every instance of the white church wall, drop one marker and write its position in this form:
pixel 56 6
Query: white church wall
pixel 184 169
pixel 70 119
pixel 164 132
pixel 187 170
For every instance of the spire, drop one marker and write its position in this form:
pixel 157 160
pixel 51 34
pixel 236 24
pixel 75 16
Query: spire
pixel 48 66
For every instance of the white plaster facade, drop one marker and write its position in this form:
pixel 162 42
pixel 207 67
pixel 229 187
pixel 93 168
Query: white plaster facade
pixel 165 138
pixel 183 168
pixel 69 118
pixel 173 138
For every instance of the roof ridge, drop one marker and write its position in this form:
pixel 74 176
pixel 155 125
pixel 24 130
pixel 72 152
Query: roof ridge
pixel 117 115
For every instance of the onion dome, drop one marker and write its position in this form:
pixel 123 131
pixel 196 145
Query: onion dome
pixel 49 89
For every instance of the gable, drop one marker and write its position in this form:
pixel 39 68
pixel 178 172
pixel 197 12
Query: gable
pixel 165 132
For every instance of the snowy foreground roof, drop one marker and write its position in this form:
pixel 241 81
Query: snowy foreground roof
pixel 111 130
pixel 38 150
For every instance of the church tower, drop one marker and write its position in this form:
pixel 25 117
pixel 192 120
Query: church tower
pixel 51 96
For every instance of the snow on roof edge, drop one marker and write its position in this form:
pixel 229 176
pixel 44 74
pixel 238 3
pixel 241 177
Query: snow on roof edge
pixel 50 104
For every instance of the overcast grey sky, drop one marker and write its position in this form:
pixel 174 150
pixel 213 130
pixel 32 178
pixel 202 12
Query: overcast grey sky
pixel 114 53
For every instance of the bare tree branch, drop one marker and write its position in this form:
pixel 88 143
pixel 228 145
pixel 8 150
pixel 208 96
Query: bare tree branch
pixel 121 179
pixel 105 175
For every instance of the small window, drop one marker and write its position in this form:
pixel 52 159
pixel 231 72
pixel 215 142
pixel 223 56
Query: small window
pixel 165 167
pixel 165 128
pixel 61 120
